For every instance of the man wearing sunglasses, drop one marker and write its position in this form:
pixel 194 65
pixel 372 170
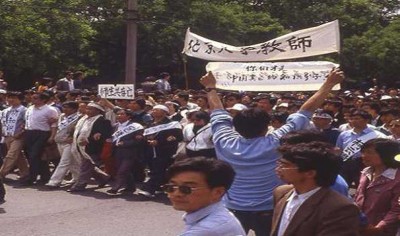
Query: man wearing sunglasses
pixel 196 186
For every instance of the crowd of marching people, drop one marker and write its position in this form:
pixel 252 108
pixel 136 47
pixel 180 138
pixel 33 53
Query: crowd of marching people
pixel 61 135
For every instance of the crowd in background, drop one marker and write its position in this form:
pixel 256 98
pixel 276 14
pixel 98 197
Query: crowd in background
pixel 61 134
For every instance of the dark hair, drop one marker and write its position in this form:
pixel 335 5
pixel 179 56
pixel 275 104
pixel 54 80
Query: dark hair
pixel 216 172
pixel 303 136
pixel 44 96
pixel 71 104
pixel 374 106
pixel 164 74
pixel 75 92
pixel 389 111
pixel 141 102
pixel 318 156
pixel 387 150
pixel 128 112
pixel 183 95
pixel 335 102
pixel 176 104
pixel 202 115
pixel 251 123
pixel 358 112
pixel 281 117
pixel 234 95
pixel 16 94
pixel 272 100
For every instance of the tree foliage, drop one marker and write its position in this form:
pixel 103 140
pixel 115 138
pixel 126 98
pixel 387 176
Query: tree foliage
pixel 45 37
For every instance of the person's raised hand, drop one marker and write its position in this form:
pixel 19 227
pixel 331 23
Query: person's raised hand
pixel 208 80
pixel 336 76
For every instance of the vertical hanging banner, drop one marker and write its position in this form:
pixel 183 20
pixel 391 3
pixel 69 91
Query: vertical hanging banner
pixel 270 76
pixel 314 41
pixel 118 91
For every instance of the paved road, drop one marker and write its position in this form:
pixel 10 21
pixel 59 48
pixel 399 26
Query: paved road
pixel 36 211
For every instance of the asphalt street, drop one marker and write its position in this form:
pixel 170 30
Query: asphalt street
pixel 37 211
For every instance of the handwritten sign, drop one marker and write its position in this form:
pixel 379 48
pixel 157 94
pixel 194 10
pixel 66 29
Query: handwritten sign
pixel 119 91
pixel 269 76
pixel 314 41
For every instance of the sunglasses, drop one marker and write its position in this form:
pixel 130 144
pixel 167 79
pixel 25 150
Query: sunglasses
pixel 170 188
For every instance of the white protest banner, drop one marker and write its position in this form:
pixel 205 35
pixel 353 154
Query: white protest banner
pixel 119 91
pixel 270 76
pixel 314 41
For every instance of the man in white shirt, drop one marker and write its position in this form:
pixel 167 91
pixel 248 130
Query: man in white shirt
pixel 308 206
pixel 40 129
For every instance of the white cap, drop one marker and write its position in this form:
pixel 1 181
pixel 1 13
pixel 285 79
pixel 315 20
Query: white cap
pixel 385 97
pixel 161 107
pixel 2 91
pixel 173 103
pixel 283 104
pixel 95 105
pixel 237 107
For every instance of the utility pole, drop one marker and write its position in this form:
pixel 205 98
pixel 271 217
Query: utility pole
pixel 131 42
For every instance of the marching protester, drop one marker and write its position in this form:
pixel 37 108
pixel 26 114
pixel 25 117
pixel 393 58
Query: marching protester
pixel 12 123
pixel 126 142
pixel 40 130
pixel 162 137
pixel 198 136
pixel 252 154
pixel 63 138
pixel 146 134
pixel 322 120
pixel 90 133
pixel 350 143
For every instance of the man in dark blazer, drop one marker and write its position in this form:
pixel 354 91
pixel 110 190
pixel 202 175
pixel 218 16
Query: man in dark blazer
pixel 90 133
pixel 308 206
pixel 66 83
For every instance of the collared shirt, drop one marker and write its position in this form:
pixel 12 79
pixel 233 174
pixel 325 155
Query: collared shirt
pixel 389 173
pixel 163 85
pixel 70 83
pixel 346 137
pixel 122 125
pixel 254 160
pixel 294 202
pixel 38 118
pixel 213 220
pixel 378 198
pixel 7 118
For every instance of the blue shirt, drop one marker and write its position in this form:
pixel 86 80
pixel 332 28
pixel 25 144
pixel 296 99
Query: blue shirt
pixel 254 160
pixel 213 220
pixel 346 137
pixel 341 186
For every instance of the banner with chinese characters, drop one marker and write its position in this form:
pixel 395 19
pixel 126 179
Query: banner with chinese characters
pixel 270 76
pixel 119 91
pixel 314 41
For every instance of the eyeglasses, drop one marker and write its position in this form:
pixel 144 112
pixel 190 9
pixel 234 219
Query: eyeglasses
pixel 170 188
